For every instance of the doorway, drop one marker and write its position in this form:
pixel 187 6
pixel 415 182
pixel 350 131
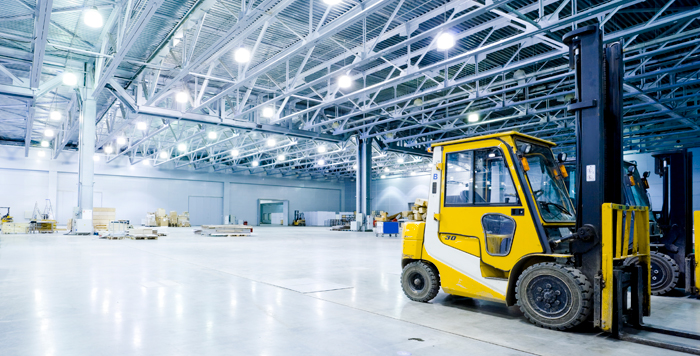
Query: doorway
pixel 273 212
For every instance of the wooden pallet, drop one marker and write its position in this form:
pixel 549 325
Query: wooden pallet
pixel 115 237
pixel 143 237
pixel 229 234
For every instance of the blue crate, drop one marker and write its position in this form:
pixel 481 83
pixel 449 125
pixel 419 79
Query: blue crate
pixel 391 228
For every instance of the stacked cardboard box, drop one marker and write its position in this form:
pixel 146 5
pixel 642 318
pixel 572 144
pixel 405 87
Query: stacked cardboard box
pixel 172 219
pixel 151 219
pixel 419 211
pixel 101 218
pixel 161 218
pixel 183 220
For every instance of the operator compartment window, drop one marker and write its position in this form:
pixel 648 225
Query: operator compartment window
pixel 547 183
pixel 492 181
pixel 459 179
pixel 479 177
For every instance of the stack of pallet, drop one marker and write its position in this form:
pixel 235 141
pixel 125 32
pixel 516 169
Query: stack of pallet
pixel 101 217
pixel 15 228
pixel 225 230
pixel 162 218
pixel 143 234
pixel 118 226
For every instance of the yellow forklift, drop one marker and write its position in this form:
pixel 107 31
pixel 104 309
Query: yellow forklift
pixel 6 218
pixel 501 226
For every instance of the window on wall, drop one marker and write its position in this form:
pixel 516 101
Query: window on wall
pixel 478 177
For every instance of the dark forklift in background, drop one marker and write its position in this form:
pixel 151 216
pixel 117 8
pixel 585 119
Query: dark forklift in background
pixel 671 233
pixel 673 260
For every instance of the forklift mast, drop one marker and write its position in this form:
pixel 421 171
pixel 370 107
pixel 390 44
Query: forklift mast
pixel 598 108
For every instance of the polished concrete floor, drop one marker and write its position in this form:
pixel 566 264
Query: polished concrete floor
pixel 282 291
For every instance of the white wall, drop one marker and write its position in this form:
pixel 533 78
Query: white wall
pixel 135 190
pixel 245 195
pixel 393 194
pixel 21 189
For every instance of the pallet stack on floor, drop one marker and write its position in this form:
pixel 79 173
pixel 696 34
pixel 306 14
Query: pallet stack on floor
pixel 101 217
pixel 161 219
pixel 143 234
pixel 15 228
pixel 182 220
pixel 224 230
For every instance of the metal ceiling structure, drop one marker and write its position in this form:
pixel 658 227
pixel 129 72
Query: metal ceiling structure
pixel 283 113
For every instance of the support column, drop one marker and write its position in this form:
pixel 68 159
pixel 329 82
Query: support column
pixel 227 202
pixel 53 192
pixel 364 176
pixel 86 147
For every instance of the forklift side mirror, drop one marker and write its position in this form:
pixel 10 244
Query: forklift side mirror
pixel 646 174
pixel 630 170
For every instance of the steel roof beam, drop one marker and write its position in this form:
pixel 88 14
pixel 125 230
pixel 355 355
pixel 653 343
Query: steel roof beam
pixel 127 42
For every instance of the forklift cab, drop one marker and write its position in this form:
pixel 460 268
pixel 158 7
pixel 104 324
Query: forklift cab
pixel 503 198
pixel 497 201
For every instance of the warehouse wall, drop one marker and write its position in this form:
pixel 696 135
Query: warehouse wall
pixel 394 194
pixel 21 189
pixel 135 190
pixel 244 197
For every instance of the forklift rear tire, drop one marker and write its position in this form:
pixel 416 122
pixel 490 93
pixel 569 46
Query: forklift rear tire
pixel 554 296
pixel 664 272
pixel 420 281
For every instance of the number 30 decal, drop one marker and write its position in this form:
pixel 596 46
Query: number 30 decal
pixel 450 237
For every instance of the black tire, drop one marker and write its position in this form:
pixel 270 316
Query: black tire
pixel 664 272
pixel 420 281
pixel 554 296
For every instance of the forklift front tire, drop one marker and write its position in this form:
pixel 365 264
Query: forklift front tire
pixel 554 296
pixel 420 281
pixel 664 272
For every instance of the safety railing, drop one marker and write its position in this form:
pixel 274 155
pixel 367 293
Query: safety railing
pixel 625 235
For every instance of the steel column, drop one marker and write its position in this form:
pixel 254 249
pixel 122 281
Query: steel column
pixel 86 149
pixel 364 176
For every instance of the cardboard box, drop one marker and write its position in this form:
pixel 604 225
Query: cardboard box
pixel 422 202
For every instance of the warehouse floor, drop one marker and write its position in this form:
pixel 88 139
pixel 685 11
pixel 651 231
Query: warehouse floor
pixel 283 291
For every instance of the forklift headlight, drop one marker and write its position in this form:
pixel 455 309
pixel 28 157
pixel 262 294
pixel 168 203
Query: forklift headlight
pixel 561 157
